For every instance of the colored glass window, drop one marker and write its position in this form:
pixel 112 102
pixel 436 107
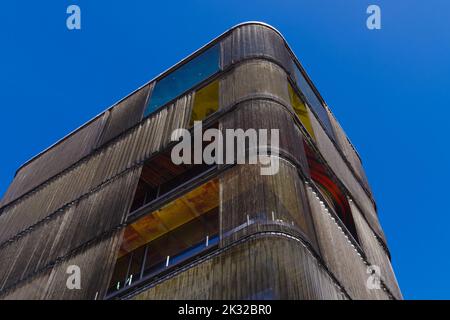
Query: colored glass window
pixel 301 110
pixel 314 102
pixel 206 102
pixel 184 78
pixel 330 190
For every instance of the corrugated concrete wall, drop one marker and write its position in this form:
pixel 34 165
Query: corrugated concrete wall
pixel 69 205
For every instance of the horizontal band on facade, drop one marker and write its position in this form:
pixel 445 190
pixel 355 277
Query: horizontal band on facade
pixel 142 287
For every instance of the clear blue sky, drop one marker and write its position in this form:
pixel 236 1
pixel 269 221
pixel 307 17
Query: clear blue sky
pixel 388 88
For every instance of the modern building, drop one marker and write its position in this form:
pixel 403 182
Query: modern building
pixel 108 198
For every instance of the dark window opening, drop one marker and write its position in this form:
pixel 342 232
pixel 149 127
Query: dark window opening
pixel 160 176
pixel 330 191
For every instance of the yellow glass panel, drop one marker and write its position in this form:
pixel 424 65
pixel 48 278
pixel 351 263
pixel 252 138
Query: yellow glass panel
pixel 171 216
pixel 206 102
pixel 300 110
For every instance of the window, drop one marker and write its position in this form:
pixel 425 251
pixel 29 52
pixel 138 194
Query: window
pixel 206 102
pixel 160 176
pixel 184 78
pixel 314 102
pixel 300 110
pixel 334 197
pixel 178 231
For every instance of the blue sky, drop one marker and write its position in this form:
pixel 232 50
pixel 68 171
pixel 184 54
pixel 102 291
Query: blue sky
pixel 388 88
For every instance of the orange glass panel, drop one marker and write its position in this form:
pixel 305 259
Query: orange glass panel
pixel 171 216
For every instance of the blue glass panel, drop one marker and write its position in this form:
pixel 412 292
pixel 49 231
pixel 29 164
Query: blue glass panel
pixel 213 241
pixel 314 102
pixel 184 78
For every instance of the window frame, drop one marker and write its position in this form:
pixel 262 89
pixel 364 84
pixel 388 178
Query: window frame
pixel 212 246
